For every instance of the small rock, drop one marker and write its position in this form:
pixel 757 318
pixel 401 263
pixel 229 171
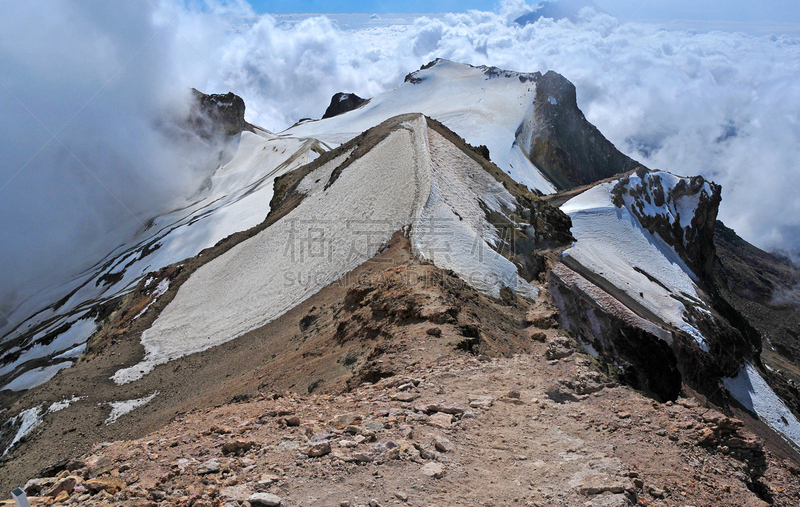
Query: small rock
pixel 426 454
pixel 374 503
pixel 345 420
pixel 111 485
pixel 442 444
pixel 384 446
pixel 61 497
pixel 482 401
pixel 451 408
pixel 433 469
pixel 405 396
pixel 67 484
pixel 34 487
pixel 538 336
pixel 292 420
pixel 374 426
pixel 624 415
pixel 706 437
pixel 655 492
pixel 542 319
pixel 237 447
pixel 514 394
pixel 434 331
pixel 441 420
pixel 558 349
pixel 236 494
pixel 468 414
pixel 401 496
pixel 344 503
pixel 265 499
pixel 209 467
pixel 287 445
pixel 316 449
pixel 361 457
pixel 638 483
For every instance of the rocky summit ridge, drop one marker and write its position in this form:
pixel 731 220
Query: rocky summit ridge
pixel 391 304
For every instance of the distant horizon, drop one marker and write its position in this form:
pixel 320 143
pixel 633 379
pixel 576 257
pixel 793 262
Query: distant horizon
pixel 739 11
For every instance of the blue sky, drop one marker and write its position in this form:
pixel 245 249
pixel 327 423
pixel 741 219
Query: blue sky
pixel 707 10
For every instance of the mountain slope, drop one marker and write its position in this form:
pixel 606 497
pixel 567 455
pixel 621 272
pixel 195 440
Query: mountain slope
pixel 409 177
pixel 637 286
pixel 343 256
pixel 48 332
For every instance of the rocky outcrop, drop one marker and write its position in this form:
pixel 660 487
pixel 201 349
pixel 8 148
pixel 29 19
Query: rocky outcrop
pixel 681 211
pixel 342 103
pixel 640 348
pixel 217 115
pixel 562 144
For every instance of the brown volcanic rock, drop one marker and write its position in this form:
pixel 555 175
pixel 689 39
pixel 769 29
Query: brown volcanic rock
pixel 214 115
pixel 342 103
pixel 641 348
pixel 694 243
pixel 562 144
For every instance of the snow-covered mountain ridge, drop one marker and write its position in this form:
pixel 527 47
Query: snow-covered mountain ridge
pixel 629 259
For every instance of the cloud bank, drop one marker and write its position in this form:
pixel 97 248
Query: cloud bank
pixel 724 105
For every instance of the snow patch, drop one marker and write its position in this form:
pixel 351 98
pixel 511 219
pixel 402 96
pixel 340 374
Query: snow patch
pixel 28 420
pixel 64 404
pixel 160 289
pixel 120 408
pixel 329 234
pixel 751 390
pixel 452 230
pixel 613 244
pixel 36 376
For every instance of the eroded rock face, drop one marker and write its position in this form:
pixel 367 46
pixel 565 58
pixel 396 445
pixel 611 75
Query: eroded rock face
pixel 342 103
pixel 656 349
pixel 641 349
pixel 214 115
pixel 562 144
pixel 682 211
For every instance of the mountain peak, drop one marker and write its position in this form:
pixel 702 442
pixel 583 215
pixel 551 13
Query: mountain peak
pixel 342 103
pixel 217 114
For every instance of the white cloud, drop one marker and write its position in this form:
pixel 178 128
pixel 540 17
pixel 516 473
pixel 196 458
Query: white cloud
pixel 724 105
pixel 720 104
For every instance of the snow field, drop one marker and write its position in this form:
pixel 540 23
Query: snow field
pixel 483 110
pixel 412 177
pixel 751 390
pixel 612 243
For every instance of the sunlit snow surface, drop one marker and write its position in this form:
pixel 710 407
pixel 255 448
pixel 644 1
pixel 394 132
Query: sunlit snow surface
pixel 235 198
pixel 120 408
pixel 28 420
pixel 64 404
pixel 485 110
pixel 613 244
pixel 413 177
pixel 482 109
pixel 751 390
